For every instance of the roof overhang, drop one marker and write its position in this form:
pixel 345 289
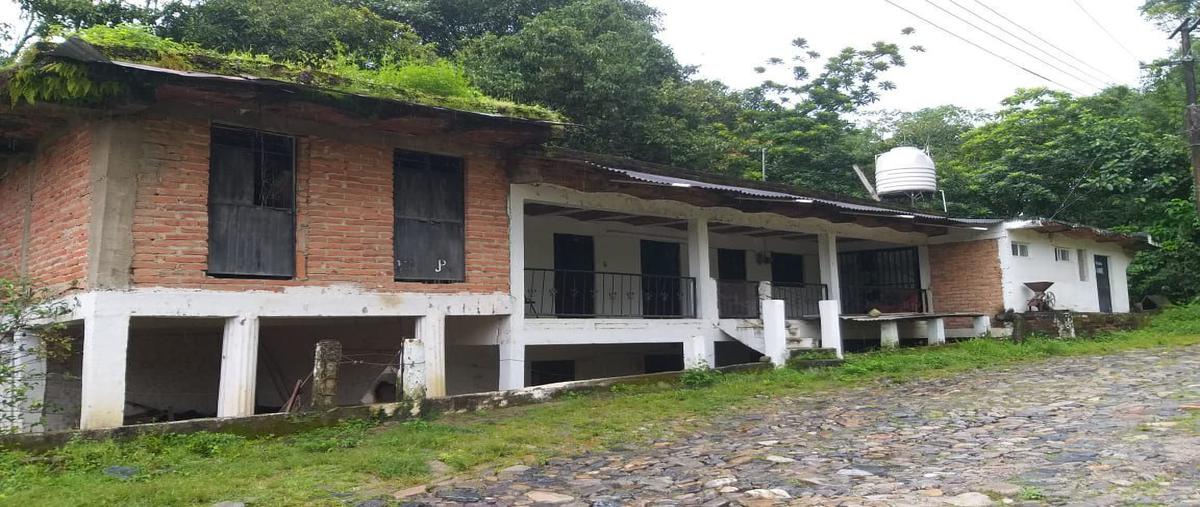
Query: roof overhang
pixel 1133 241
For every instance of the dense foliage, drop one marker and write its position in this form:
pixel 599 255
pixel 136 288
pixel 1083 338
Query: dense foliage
pixel 1115 159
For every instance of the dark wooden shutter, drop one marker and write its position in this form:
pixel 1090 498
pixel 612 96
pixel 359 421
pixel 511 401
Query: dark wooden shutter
pixel 429 206
pixel 251 204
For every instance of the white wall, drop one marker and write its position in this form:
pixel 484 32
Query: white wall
pixel 1070 293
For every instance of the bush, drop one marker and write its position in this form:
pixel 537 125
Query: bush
pixel 701 376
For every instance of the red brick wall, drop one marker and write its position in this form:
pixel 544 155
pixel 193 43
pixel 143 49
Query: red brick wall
pixel 344 216
pixel 966 277
pixel 59 174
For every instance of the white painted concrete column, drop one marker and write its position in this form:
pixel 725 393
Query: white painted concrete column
pixel 936 331
pixel 26 391
pixel 512 340
pixel 827 256
pixel 926 276
pixel 431 332
pixel 982 325
pixel 102 384
pixel 831 325
pixel 412 372
pixel 239 367
pixel 889 334
pixel 699 352
pixel 512 361
pixel 774 331
pixel 700 268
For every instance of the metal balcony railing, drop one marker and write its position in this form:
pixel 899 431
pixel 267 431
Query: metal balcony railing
pixel 580 294
pixel 739 299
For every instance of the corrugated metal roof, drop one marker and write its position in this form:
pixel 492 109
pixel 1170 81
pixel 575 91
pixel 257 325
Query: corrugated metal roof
pixel 792 197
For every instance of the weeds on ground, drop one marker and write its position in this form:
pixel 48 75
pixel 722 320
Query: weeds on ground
pixel 305 469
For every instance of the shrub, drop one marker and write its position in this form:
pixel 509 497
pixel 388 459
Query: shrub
pixel 701 376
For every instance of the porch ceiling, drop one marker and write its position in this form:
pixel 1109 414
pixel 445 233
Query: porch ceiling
pixel 536 209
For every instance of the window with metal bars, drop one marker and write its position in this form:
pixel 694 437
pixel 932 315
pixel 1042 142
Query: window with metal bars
pixel 251 204
pixel 429 217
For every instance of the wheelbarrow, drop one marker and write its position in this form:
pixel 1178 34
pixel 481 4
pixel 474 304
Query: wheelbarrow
pixel 1042 301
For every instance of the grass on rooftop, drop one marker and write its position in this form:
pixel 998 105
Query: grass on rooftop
pixel 369 460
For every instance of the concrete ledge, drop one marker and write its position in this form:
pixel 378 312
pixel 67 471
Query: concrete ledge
pixel 282 424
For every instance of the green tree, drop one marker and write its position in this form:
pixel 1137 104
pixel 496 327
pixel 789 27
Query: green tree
pixel 449 23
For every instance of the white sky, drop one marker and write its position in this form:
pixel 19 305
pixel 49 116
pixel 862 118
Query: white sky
pixel 728 38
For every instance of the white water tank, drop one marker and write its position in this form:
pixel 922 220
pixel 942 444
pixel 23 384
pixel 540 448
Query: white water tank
pixel 905 170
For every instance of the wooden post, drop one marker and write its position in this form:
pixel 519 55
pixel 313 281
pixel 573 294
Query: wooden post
pixel 325 374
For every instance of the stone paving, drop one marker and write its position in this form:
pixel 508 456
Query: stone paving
pixel 1115 430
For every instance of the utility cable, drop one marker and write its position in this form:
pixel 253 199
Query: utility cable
pixel 1007 43
pixel 1105 30
pixel 1048 43
pixel 1056 58
pixel 981 48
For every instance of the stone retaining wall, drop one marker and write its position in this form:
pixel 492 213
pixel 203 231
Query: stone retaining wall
pixel 1065 324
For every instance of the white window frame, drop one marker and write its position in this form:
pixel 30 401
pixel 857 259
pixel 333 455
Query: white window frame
pixel 1020 249
pixel 1062 254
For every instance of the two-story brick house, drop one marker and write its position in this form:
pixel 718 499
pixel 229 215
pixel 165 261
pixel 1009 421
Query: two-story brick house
pixel 209 229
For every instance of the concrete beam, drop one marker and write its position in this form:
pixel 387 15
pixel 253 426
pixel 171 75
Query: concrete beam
pixel 338 301
pixel 239 367
pixel 105 348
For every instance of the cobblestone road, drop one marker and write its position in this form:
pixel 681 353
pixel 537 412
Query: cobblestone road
pixel 1116 430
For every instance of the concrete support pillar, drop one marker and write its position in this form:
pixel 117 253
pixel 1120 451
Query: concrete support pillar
pixel 982 325
pixel 889 334
pixel 102 384
pixel 699 352
pixel 700 267
pixel 512 339
pixel 764 291
pixel 512 361
pixel 831 325
pixel 774 332
pixel 431 332
pixel 926 277
pixel 936 331
pixel 25 393
pixel 326 357
pixel 412 374
pixel 239 367
pixel 827 257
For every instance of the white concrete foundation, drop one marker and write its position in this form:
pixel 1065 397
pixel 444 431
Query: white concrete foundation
pixel 699 352
pixel 889 334
pixel 831 325
pixel 105 345
pixel 775 331
pixel 981 325
pixel 239 366
pixel 936 331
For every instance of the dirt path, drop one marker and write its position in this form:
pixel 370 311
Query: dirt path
pixel 1109 430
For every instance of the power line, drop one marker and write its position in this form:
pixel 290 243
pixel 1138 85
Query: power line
pixel 1105 30
pixel 1048 43
pixel 981 48
pixel 1089 75
pixel 1007 43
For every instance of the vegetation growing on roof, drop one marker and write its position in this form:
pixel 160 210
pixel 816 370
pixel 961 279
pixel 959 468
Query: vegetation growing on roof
pixel 429 81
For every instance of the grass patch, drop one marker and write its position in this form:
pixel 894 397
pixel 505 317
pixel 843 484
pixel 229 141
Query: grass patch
pixel 318 467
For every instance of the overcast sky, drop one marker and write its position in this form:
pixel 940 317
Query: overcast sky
pixel 728 38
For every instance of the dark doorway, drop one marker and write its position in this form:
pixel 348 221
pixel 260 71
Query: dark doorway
pixel 574 276
pixel 787 268
pixel 549 372
pixel 658 363
pixel 661 286
pixel 1103 285
pixel 731 264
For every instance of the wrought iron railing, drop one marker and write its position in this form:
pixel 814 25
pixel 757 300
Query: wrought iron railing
pixel 737 299
pixel 800 299
pixel 579 294
pixel 861 299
